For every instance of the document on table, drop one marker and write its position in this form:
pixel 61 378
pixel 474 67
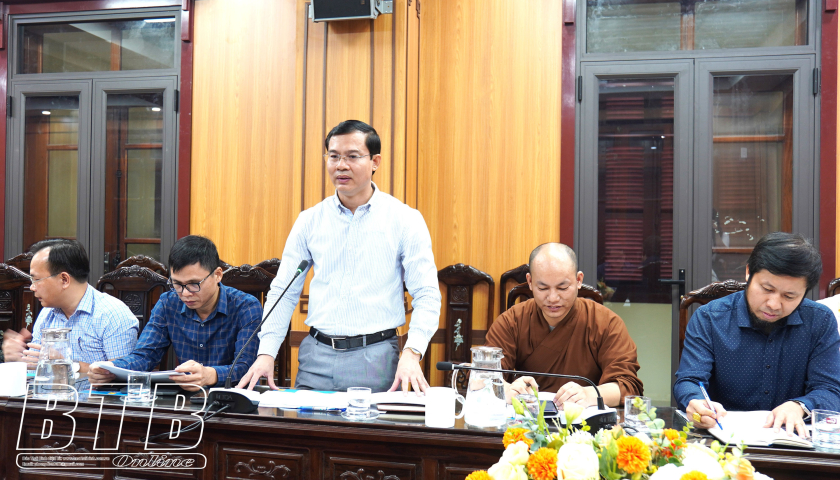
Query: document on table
pixel 295 399
pixel 122 373
pixel 748 428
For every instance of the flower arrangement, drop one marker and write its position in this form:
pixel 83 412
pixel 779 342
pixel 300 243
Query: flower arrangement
pixel 533 452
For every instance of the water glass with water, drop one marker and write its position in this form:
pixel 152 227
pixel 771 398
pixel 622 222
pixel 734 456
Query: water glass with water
pixel 826 429
pixel 632 409
pixel 358 407
pixel 139 387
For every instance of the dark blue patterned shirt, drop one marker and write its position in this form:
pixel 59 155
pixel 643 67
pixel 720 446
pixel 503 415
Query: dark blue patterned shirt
pixel 213 342
pixel 748 370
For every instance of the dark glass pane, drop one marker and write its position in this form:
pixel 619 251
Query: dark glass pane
pixel 51 159
pixel 97 46
pixel 635 188
pixel 752 152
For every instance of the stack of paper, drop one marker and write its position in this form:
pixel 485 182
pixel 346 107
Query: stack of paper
pixel 296 399
pixel 748 428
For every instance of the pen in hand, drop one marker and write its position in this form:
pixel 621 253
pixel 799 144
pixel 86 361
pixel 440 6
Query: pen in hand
pixel 709 402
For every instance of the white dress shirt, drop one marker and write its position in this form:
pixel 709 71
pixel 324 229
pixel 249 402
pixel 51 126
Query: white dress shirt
pixel 360 262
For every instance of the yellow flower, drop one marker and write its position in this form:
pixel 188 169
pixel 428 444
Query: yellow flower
pixel 513 435
pixel 543 464
pixel 633 455
pixel 479 475
pixel 671 434
pixel 694 475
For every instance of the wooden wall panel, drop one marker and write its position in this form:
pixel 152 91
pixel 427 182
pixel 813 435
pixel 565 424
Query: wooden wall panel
pixel 488 168
pixel 245 171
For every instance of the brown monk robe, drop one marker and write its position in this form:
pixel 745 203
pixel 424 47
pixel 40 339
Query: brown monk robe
pixel 591 341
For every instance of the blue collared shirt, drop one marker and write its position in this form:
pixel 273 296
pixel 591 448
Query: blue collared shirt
pixel 102 327
pixel 213 342
pixel 748 370
pixel 360 261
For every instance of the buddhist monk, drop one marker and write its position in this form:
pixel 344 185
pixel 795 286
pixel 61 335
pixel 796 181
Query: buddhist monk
pixel 557 332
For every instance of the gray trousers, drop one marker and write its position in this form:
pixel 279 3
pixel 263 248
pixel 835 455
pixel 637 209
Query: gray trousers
pixel 322 368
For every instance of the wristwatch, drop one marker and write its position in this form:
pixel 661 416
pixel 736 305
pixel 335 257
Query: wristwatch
pixel 414 350
pixel 807 412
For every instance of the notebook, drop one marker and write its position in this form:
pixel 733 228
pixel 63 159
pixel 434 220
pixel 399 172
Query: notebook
pixel 748 428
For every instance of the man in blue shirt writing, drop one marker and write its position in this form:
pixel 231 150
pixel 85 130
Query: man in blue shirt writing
pixel 767 348
pixel 205 321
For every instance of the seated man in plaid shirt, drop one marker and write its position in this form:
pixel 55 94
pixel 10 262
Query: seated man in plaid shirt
pixel 206 322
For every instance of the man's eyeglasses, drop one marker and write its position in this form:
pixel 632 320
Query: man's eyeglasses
pixel 334 159
pixel 34 280
pixel 190 287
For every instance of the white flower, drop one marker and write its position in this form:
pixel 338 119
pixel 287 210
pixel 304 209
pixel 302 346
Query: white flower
pixel 644 438
pixel 703 459
pixel 761 476
pixel 580 437
pixel 577 462
pixel 506 471
pixel 572 411
pixel 516 454
pixel 670 472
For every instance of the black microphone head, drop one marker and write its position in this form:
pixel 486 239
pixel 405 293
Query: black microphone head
pixel 302 266
pixel 444 366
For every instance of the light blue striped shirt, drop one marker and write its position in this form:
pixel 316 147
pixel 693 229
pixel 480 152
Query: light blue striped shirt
pixel 360 262
pixel 102 327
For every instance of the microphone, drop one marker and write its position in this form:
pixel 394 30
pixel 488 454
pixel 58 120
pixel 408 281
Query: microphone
pixel 606 417
pixel 238 401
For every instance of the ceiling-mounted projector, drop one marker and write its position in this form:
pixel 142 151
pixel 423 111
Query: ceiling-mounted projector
pixel 333 10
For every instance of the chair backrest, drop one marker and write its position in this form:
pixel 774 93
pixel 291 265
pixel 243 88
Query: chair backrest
pixel 515 275
pixel 458 331
pixel 138 287
pixel 522 292
pixel 256 281
pixel 272 265
pixel 832 288
pixel 21 261
pixel 144 261
pixel 702 296
pixel 18 306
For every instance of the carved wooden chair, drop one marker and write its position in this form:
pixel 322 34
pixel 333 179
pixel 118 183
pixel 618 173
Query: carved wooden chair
pixel 139 288
pixel 516 275
pixel 271 265
pixel 458 332
pixel 521 292
pixel 144 261
pixel 256 281
pixel 21 261
pixel 702 296
pixel 18 306
pixel 832 288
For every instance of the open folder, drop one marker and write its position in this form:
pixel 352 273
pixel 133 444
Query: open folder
pixel 748 428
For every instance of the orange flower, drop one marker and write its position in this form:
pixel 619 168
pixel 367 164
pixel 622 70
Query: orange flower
pixel 633 455
pixel 745 470
pixel 479 475
pixel 694 475
pixel 542 465
pixel 513 435
pixel 671 434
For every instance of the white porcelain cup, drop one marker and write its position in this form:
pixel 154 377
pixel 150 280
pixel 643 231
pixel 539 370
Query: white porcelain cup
pixel 14 379
pixel 440 407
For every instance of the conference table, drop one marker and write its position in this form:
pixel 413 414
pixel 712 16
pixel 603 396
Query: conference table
pixel 272 444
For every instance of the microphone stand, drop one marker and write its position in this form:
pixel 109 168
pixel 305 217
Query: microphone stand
pixel 237 401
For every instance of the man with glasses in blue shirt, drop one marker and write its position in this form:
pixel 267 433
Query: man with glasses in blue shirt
pixel 102 327
pixel 206 322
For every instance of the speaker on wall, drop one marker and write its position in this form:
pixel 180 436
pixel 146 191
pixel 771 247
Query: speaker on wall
pixel 332 10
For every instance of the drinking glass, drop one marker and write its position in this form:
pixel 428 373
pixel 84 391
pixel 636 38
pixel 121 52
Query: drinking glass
pixel 358 407
pixel 139 387
pixel 631 411
pixel 826 433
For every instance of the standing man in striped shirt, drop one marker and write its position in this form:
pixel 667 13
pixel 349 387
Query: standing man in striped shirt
pixel 102 327
pixel 362 243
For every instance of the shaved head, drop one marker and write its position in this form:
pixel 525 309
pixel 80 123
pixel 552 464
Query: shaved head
pixel 555 251
pixel 554 280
